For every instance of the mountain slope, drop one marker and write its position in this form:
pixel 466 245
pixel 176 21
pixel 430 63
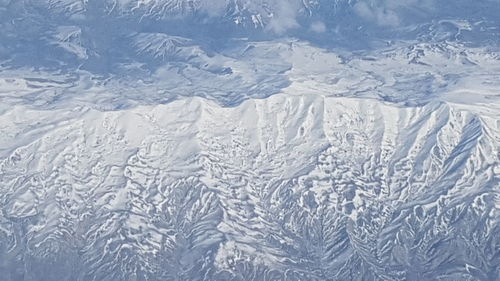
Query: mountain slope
pixel 288 188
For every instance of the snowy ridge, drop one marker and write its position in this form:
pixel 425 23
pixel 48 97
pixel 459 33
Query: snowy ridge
pixel 103 37
pixel 285 188
pixel 171 67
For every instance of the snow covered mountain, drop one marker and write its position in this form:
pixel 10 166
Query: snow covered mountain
pixel 249 140
pixel 100 36
pixel 285 188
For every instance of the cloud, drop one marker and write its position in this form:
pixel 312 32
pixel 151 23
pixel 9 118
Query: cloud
pixel 214 8
pixel 318 27
pixel 284 16
pixel 381 15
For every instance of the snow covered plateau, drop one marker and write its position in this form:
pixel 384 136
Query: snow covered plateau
pixel 249 140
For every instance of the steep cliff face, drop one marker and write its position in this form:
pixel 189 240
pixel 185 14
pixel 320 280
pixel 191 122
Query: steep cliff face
pixel 286 188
